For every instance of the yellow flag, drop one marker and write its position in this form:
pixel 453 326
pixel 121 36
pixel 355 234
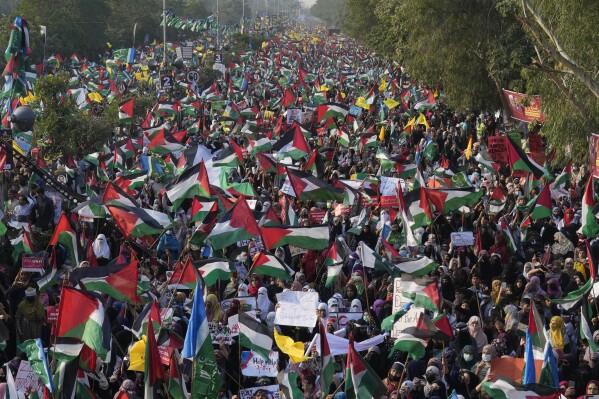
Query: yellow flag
pixel 295 350
pixel 382 134
pixel 468 152
pixel 95 97
pixel 263 44
pixel 383 85
pixel 410 125
pixel 422 120
pixel 137 354
pixel 361 102
pixel 324 88
pixel 391 103
pixel 342 95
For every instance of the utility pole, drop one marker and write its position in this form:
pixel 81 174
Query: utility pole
pixel 164 30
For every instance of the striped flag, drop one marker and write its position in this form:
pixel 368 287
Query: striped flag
pixel 254 335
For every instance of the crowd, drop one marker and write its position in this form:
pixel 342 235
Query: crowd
pixel 523 264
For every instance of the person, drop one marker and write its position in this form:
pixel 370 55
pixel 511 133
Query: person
pixel 393 377
pixel 30 317
pixel 44 210
pixel 101 250
pixel 557 334
pixel 168 245
pixel 475 330
pixel 214 313
pixel 482 367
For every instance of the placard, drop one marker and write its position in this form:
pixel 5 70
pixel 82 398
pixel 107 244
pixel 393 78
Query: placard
pixel 165 354
pixel 399 301
pixel 32 264
pixel 343 318
pixel 246 303
pixel 307 117
pixel 294 114
pixel 272 392
pixel 518 110
pixel 52 314
pixel 316 216
pixel 498 149
pixel 341 210
pixel 297 308
pixel 26 380
pixel 388 201
pixel 356 111
pixel 594 154
pixel 462 238
pixel 253 365
pixel 218 331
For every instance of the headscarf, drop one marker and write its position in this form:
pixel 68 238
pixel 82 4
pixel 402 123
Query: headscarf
pixel 101 249
pixel 263 302
pixel 556 334
pixel 356 306
pixel 214 312
pixel 533 287
pixel 491 349
pixel 512 317
pixel 128 387
pixel 297 284
pixel 553 288
pixel 476 332
pixel 500 345
pixel 333 305
pixel 377 307
pixel 563 245
pixel 359 283
pixel 242 290
pixel 270 320
pixel 496 288
pixel 323 306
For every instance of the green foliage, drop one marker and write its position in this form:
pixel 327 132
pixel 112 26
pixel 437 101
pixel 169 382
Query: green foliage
pixel 331 12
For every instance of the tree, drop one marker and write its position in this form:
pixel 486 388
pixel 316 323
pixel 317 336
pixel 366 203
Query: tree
pixel 332 12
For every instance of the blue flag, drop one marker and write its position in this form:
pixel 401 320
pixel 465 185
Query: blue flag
pixel 529 376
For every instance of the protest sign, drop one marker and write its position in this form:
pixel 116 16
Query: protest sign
pixel 307 117
pixel 523 107
pixel 294 114
pixel 344 318
pixel 297 308
pixel 389 185
pixel 218 331
pixel 594 154
pixel 356 111
pixel 165 354
pixel 253 365
pixel 462 238
pixel 399 301
pixel 388 201
pixel 272 392
pixel 498 149
pixel 32 264
pixel 52 314
pixel 26 380
pixel 316 216
pixel 246 303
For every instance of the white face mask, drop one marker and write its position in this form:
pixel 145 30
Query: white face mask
pixel 467 357
pixel 487 358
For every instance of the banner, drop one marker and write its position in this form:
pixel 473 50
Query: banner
pixel 253 365
pixel 272 392
pixel 594 154
pixel 399 301
pixel 498 149
pixel 519 111
pixel 344 318
pixel 246 303
pixel 218 331
pixel 297 308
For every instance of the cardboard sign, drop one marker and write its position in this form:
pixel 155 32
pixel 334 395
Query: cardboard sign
pixel 462 238
pixel 253 365
pixel 399 301
pixel 33 265
pixel 316 216
pixel 498 149
pixel 297 308
pixel 26 380
pixel 218 331
pixel 356 111
pixel 272 392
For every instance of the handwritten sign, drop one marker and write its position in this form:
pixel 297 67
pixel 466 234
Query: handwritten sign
pixel 272 392
pixel 462 238
pixel 26 379
pixel 498 149
pixel 33 264
pixel 297 308
pixel 253 365
pixel 218 331
pixel 399 301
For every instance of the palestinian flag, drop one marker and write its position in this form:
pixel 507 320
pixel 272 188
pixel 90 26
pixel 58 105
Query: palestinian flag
pixel 149 312
pixel 83 315
pixel 572 299
pixel 166 108
pixel 117 281
pixel 485 160
pixel 154 372
pixel 237 224
pixel 312 237
pixel 270 218
pixel 259 144
pixel 361 381
pixel 126 112
pixel 254 335
pixel 199 210
pixel 292 144
pixel 309 188
pixel 137 222
pixel 327 367
pixel 288 384
pixel 505 389
pixel 520 161
pixel 410 344
pixel 448 200
pixel 184 276
pixel 114 195
pixel 331 110
pixel 189 184
pixel 213 270
pixel 164 143
pixel 418 267
pixel 372 259
pixel 36 356
pixel 176 384
pixel 266 264
pixel 504 229
pixel 589 224
pixel 560 185
pixel 366 141
pixel 536 331
pixel 423 291
pixel 22 244
pixel 405 170
pixel 586 331
pixel 542 206
pixel 334 257
pixel 497 201
pixel 592 267
pixel 65 235
pixel 267 164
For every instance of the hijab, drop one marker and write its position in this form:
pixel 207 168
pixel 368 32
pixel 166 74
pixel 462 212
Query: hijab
pixel 563 245
pixel 496 288
pixel 356 306
pixel 377 307
pixel 512 317
pixel 101 249
pixel 333 305
pixel 242 290
pixel 214 312
pixel 534 287
pixel 264 303
pixel 323 306
pixel 359 283
pixel 556 333
pixel 476 332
